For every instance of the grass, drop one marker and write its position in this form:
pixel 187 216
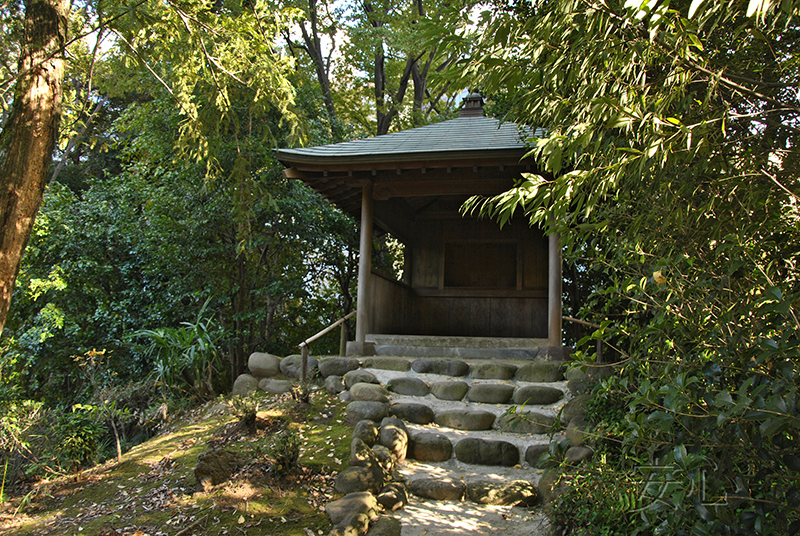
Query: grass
pixel 153 490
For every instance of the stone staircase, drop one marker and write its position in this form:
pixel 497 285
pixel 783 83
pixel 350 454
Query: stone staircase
pixel 458 427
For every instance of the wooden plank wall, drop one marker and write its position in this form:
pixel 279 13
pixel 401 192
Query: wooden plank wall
pixel 398 310
pixel 481 317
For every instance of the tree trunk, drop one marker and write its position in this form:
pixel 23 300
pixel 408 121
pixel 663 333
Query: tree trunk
pixel 313 46
pixel 28 138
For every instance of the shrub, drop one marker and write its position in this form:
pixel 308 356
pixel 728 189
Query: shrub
pixel 600 500
pixel 81 436
pixel 285 451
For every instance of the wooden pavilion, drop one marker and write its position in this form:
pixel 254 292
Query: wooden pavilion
pixel 463 276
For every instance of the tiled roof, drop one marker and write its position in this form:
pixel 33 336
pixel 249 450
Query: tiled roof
pixel 446 139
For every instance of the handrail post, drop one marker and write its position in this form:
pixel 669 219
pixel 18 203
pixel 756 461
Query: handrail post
pixel 598 344
pixel 343 340
pixel 304 353
pixel 304 373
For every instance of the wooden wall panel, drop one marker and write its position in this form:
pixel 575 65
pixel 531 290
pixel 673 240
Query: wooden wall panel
pixel 478 317
pixel 535 261
pixel 390 306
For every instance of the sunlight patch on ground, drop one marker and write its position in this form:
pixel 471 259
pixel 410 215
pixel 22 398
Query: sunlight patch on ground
pixel 452 518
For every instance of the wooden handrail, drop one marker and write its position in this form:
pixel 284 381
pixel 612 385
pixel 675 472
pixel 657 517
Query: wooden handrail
pixel 583 322
pixel 304 352
pixel 313 338
pixel 599 345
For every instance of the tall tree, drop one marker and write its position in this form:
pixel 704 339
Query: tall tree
pixel 29 135
pixel 319 28
pixel 194 52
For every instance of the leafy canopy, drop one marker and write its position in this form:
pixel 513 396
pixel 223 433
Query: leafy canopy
pixel 670 164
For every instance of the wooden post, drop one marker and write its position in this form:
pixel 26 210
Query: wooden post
pixel 364 266
pixel 304 374
pixel 343 340
pixel 554 291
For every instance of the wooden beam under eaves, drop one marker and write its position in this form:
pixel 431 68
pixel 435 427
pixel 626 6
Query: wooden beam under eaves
pixel 387 190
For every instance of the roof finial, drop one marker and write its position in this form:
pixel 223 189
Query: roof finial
pixel 473 106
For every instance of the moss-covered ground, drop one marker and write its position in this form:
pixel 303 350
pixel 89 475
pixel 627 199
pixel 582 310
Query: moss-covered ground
pixel 153 490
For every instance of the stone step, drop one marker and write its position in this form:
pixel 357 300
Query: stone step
pixel 463 347
pixel 441 430
pixel 427 446
pixel 454 469
pixel 447 342
pixel 500 369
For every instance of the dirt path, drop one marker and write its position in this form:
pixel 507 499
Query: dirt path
pixel 451 518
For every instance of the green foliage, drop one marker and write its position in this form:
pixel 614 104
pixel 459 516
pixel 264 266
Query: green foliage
pixel 608 410
pixel 80 438
pixel 186 358
pixel 669 165
pixel 245 408
pixel 600 500
pixel 17 422
pixel 285 451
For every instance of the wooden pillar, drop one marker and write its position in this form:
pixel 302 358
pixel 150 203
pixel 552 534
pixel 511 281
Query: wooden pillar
pixel 364 265
pixel 554 291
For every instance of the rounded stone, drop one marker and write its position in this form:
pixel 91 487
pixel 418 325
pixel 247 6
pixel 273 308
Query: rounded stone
pixel 445 367
pixel 393 496
pixel 537 395
pixel 359 376
pixel 465 419
pixel 551 485
pixel 383 457
pixel 275 386
pixel 541 372
pixel 487 452
pixel 360 410
pixel 449 390
pixel 528 422
pixel 514 493
pixel 582 379
pixel 490 393
pixel 336 366
pixel 492 371
pixel 387 363
pixel 578 430
pixel 360 453
pixel 408 386
pixel 369 391
pixel 438 489
pixel 355 479
pixel 215 467
pixel 362 502
pixel 244 385
pixel 394 421
pixel 573 408
pixel 292 366
pixel 577 454
pixel 411 412
pixel 334 385
pixel 263 365
pixel 352 525
pixel 345 397
pixel 366 431
pixel 386 526
pixel 395 438
pixel 534 453
pixel 431 447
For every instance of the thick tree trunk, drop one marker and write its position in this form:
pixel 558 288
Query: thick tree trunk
pixel 28 138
